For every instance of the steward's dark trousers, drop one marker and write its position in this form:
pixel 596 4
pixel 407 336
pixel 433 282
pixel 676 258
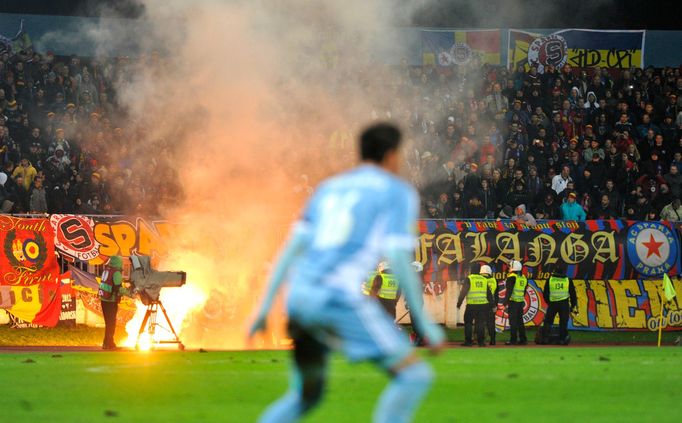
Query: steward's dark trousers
pixel 478 313
pixel 516 327
pixel 491 323
pixel 389 306
pixel 562 308
pixel 109 310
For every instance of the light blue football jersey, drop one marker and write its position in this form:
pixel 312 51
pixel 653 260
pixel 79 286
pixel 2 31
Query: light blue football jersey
pixel 352 219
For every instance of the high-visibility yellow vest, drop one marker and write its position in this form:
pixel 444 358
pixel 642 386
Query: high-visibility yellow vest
pixel 519 291
pixel 478 288
pixel 388 289
pixel 558 288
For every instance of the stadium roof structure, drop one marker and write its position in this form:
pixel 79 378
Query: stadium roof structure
pixel 598 14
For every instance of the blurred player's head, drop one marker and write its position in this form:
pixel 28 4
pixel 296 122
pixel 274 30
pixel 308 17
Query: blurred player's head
pixel 379 144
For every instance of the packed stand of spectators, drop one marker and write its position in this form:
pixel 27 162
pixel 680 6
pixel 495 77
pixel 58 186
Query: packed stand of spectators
pixel 484 142
pixel 65 147
pixel 565 144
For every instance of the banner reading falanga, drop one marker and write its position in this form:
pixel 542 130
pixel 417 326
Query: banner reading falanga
pixel 29 286
pixel 576 47
pixel 591 250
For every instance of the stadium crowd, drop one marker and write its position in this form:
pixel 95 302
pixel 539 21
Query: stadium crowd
pixel 485 142
pixel 65 147
pixel 564 144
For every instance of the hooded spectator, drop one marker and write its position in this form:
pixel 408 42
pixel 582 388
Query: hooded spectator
pixel 57 165
pixel 522 216
pixel 592 103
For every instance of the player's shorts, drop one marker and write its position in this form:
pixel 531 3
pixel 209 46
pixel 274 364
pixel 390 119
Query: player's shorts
pixel 360 329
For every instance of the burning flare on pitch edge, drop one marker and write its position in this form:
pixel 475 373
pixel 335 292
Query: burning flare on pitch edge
pixel 206 312
pixel 179 303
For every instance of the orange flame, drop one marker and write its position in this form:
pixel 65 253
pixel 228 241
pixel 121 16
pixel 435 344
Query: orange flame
pixel 178 302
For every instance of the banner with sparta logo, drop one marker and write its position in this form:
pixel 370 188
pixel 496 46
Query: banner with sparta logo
pixel 95 240
pixel 590 250
pixel 605 305
pixel 448 47
pixel 29 286
pixel 579 48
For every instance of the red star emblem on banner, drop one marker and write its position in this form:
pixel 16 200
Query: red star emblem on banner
pixel 652 246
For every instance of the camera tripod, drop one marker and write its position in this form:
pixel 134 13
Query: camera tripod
pixel 150 317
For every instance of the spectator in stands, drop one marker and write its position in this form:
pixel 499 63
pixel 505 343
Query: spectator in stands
pixel 62 199
pixel 522 216
pixel 661 198
pixel 674 179
pixel 517 196
pixel 603 210
pixel 27 172
pixel 472 180
pixel 6 202
pixel 593 150
pixel 57 166
pixel 673 211
pixel 614 196
pixel 445 206
pixel 474 208
pixel 59 141
pixel 487 197
pixel 570 210
pixel 560 181
pixel 38 198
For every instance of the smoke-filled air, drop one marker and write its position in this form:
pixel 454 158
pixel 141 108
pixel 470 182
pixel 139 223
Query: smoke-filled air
pixel 252 103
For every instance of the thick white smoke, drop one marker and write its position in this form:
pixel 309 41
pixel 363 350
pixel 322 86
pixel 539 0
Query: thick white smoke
pixel 246 96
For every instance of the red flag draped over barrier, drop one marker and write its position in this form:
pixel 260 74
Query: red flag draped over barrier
pixel 29 271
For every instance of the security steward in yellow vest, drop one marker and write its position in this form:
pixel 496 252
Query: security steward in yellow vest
pixel 383 286
pixel 560 295
pixel 479 298
pixel 487 273
pixel 514 301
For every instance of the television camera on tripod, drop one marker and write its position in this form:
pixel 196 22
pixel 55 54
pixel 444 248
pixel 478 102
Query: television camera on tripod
pixel 148 283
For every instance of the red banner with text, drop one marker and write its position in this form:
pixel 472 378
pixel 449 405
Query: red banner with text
pixel 29 286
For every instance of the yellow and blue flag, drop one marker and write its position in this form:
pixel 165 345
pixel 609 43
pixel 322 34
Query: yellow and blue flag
pixel 668 288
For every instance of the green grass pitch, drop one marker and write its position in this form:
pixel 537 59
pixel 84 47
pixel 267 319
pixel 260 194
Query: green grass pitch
pixel 573 384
